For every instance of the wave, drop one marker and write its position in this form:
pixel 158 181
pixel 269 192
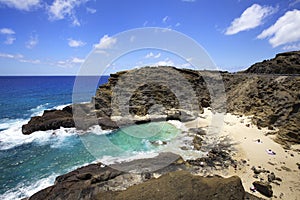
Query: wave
pixel 22 190
pixel 11 131
pixel 108 160
pixel 37 111
pixel 98 131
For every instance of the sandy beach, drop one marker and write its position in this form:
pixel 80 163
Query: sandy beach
pixel 256 148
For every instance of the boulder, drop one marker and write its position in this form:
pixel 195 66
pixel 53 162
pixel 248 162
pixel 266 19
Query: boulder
pixel 97 181
pixel 50 120
pixel 264 188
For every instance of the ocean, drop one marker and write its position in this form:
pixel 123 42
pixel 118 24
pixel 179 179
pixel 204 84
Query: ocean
pixel 29 163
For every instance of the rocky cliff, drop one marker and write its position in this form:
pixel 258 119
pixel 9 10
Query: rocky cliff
pixel 143 95
pixel 164 93
pixel 283 63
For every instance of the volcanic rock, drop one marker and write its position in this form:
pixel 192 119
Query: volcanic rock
pixel 263 188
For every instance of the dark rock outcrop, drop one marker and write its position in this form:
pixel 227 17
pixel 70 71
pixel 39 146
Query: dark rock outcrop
pixel 263 188
pixel 51 119
pixel 283 63
pixel 181 94
pixel 97 181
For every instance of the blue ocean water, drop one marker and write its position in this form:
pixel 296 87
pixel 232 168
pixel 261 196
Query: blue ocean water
pixel 31 163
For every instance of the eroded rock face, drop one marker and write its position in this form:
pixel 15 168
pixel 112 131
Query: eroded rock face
pixel 181 94
pixel 51 119
pixel 94 179
pixel 97 181
pixel 283 63
pixel 183 185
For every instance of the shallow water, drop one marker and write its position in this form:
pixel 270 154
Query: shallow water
pixel 28 163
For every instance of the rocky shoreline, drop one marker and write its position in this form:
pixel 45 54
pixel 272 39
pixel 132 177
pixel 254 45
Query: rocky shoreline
pixel 175 181
pixel 271 102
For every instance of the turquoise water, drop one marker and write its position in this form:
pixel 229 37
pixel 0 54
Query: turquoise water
pixel 46 157
pixel 29 163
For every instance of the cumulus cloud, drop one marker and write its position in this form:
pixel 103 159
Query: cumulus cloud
pixel 166 62
pixel 106 42
pixel 291 47
pixel 151 55
pixel 7 31
pixel 285 30
pixel 61 9
pixel 9 34
pixel 251 18
pixel 75 43
pixel 26 5
pixel 32 42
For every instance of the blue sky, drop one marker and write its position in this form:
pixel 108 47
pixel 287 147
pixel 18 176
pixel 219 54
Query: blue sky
pixel 53 37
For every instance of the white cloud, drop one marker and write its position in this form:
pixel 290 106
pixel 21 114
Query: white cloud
pixel 185 65
pixel 251 18
pixel 32 42
pixel 12 56
pixel 75 43
pixel 9 40
pixel 77 60
pixel 68 63
pixel 7 31
pixel 19 57
pixel 151 55
pixel 26 5
pixel 106 42
pixel 292 47
pixel 166 62
pixel 165 19
pixel 188 0
pixel 65 8
pixel 30 61
pixel 285 30
pixel 177 24
pixel 91 10
pixel 9 35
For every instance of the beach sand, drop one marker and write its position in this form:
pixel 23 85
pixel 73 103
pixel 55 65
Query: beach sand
pixel 244 136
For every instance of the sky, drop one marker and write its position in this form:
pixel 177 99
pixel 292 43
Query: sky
pixel 54 37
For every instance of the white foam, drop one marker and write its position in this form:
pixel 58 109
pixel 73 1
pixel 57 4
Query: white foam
pixel 178 125
pixel 13 136
pixel 21 191
pixel 108 160
pixel 60 107
pixel 98 131
pixel 38 111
